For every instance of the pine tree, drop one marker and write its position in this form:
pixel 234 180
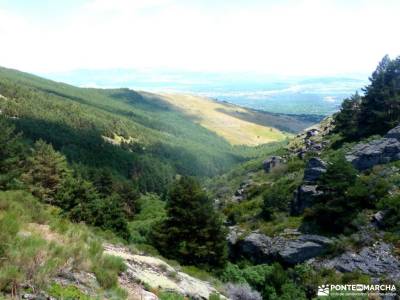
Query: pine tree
pixel 380 108
pixel 346 121
pixel 192 232
pixel 103 182
pixel 334 210
pixel 46 171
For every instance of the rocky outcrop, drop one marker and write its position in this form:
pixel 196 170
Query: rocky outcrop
pixel 312 132
pixel 289 250
pixel 377 260
pixel 378 219
pixel 303 248
pixel 158 274
pixel 381 151
pixel 393 133
pixel 272 163
pixel 315 168
pixel 258 247
pixel 241 193
pixel 306 193
pixel 303 198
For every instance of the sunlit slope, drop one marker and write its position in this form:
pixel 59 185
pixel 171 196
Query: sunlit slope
pixel 220 118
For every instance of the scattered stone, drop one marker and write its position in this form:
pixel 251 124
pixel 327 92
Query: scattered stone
pixel 37 296
pixel 315 168
pixel 241 193
pixel 303 198
pixel 272 163
pixel 84 281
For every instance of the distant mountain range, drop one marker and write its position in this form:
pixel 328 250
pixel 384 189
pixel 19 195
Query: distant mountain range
pixel 289 95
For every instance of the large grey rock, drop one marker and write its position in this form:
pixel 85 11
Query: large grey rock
pixel 394 133
pixel 289 250
pixel 272 163
pixel 378 219
pixel 315 168
pixel 377 260
pixel 381 151
pixel 304 197
pixel 303 248
pixel 258 247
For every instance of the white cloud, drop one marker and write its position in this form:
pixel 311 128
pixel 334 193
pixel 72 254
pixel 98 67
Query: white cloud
pixel 280 37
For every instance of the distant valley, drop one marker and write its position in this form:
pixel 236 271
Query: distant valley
pixel 288 95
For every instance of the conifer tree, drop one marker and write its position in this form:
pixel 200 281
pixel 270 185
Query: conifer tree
pixel 346 122
pixel 192 232
pixel 380 108
pixel 46 171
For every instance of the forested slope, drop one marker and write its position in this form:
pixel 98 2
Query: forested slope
pixel 156 141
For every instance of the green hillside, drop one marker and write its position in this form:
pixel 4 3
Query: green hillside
pixel 156 141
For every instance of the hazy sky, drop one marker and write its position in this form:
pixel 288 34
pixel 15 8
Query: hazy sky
pixel 309 37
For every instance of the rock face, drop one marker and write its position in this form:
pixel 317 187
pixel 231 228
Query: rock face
pixel 263 249
pixel 303 248
pixel 393 133
pixel 257 247
pixel 306 193
pixel 376 261
pixel 303 198
pixel 271 163
pixel 157 273
pixel 380 151
pixel 315 168
pixel 365 156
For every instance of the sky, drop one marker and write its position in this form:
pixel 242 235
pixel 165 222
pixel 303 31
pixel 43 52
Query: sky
pixel 279 37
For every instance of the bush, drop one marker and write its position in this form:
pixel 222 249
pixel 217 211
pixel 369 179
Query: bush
pixel 272 281
pixel 279 195
pixel 391 208
pixel 151 212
